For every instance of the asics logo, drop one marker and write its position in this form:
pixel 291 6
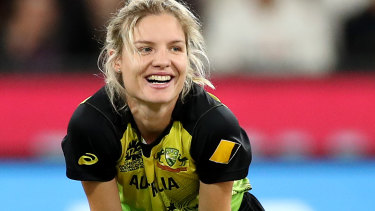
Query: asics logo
pixel 88 159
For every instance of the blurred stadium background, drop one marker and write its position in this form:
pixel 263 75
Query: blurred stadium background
pixel 298 74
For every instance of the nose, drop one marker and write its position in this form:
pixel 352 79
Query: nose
pixel 161 59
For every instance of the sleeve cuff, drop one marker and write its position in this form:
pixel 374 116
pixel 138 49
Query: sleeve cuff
pixel 209 177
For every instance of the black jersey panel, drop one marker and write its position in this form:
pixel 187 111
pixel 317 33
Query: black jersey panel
pixel 220 147
pixel 193 107
pixel 91 146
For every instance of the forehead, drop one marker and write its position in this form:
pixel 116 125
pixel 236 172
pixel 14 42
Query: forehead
pixel 159 28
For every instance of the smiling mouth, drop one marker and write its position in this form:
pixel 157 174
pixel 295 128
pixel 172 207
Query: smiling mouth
pixel 159 79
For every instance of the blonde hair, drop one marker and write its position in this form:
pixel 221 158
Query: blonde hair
pixel 120 35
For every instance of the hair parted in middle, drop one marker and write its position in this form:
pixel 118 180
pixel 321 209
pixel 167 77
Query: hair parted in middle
pixel 120 31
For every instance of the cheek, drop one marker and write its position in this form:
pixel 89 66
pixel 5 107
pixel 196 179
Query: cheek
pixel 131 68
pixel 126 81
pixel 183 66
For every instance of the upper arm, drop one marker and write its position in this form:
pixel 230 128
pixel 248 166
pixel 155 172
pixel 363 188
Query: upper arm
pixel 91 147
pixel 220 147
pixel 215 196
pixel 102 196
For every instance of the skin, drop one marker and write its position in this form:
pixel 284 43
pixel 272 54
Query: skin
pixel 215 196
pixel 102 196
pixel 161 45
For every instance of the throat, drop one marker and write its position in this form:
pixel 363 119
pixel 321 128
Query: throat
pixel 149 138
pixel 151 131
pixel 151 120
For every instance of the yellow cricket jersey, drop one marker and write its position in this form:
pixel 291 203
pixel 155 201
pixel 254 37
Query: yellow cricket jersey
pixel 202 143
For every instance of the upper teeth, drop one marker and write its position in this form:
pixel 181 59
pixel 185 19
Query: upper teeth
pixel 159 77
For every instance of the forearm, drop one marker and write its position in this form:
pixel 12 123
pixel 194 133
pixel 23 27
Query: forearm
pixel 215 196
pixel 102 196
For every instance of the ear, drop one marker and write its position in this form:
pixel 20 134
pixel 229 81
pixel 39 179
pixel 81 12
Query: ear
pixel 117 61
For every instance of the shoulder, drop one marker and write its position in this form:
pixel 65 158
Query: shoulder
pixel 208 111
pixel 95 129
pixel 219 120
pixel 96 113
pixel 217 124
pixel 195 106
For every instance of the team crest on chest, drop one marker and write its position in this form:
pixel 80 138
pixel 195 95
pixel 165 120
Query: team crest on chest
pixel 171 155
pixel 170 159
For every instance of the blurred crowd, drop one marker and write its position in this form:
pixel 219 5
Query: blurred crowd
pixel 52 35
pixel 260 37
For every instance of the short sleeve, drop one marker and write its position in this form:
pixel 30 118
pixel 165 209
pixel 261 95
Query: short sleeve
pixel 91 147
pixel 220 147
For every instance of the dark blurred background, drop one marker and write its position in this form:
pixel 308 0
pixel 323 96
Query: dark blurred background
pixel 298 74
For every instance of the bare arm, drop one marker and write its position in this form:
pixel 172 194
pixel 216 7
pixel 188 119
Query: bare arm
pixel 215 196
pixel 102 196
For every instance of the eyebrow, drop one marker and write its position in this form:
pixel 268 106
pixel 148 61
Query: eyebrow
pixel 149 42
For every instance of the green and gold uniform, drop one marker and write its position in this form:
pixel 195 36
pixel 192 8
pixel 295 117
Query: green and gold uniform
pixel 203 142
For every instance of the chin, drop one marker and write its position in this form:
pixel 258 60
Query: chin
pixel 161 99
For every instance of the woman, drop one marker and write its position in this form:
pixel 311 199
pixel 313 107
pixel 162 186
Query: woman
pixel 152 138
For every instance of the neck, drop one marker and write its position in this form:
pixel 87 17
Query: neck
pixel 151 120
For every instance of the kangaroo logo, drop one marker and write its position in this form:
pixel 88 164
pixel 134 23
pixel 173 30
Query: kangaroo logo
pixel 159 154
pixel 182 160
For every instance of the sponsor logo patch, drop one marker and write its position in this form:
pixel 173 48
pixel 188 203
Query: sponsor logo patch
pixel 133 157
pixel 225 151
pixel 88 159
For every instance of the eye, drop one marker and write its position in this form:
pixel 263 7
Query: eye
pixel 177 49
pixel 144 50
